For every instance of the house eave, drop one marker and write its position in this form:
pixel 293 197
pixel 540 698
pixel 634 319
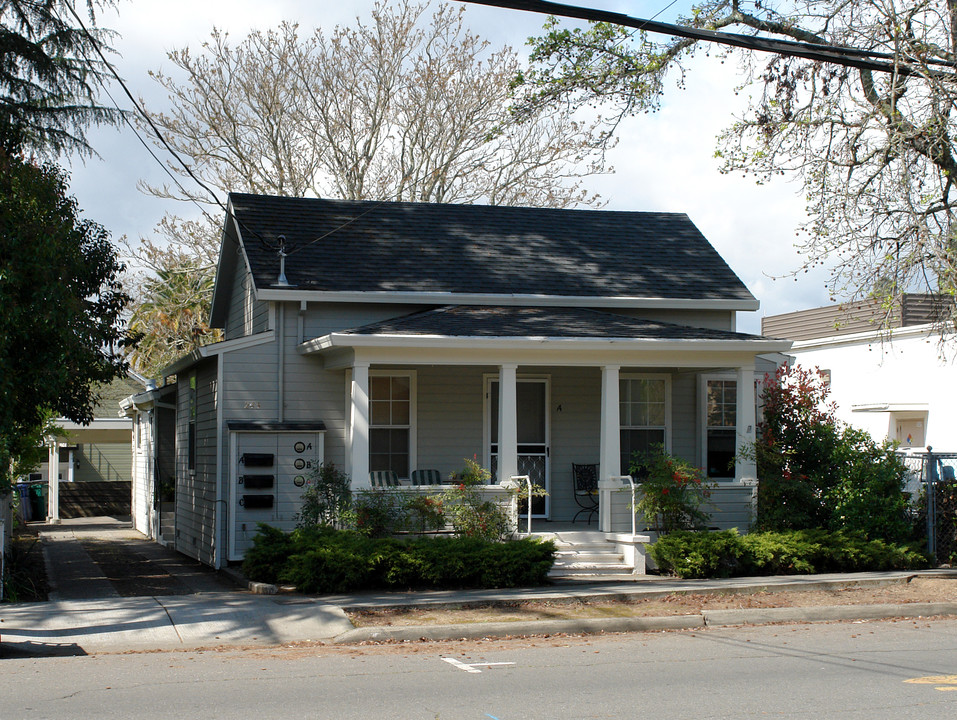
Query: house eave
pixel 207 351
pixel 334 341
pixel 513 299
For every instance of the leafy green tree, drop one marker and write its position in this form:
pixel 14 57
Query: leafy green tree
pixel 172 316
pixel 61 329
pixel 50 72
pixel 875 152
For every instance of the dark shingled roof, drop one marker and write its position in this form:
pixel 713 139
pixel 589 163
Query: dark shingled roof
pixel 345 246
pixel 518 322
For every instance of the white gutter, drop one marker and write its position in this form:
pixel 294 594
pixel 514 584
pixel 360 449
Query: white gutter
pixel 345 340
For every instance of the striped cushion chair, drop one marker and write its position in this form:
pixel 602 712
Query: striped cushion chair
pixel 426 477
pixel 383 478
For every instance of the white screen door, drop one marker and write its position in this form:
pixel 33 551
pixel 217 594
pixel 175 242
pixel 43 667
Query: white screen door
pixel 532 402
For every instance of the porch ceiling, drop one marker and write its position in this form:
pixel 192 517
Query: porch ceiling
pixel 535 334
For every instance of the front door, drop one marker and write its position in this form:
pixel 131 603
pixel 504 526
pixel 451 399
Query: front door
pixel 532 402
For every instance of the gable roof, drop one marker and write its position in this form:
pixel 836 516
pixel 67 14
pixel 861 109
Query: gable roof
pixel 476 252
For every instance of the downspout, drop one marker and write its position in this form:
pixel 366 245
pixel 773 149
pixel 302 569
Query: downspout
pixel 220 513
pixel 302 321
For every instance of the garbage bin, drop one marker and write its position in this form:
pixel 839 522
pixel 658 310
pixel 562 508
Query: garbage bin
pixel 38 500
pixel 26 508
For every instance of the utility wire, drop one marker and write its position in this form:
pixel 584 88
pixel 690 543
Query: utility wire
pixel 851 57
pixel 159 135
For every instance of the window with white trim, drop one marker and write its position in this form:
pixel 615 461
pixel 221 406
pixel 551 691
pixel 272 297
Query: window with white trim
pixel 721 418
pixel 391 422
pixel 644 404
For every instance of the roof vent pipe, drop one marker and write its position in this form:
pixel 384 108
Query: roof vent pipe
pixel 282 281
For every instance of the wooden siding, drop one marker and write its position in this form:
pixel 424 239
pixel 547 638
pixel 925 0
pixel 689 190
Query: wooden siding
pixel 450 417
pixel 731 506
pixel 239 295
pixel 103 462
pixel 196 490
pixel 234 326
pixel 95 499
pixel 851 318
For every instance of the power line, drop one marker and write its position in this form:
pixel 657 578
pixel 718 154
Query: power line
pixel 820 52
pixel 159 135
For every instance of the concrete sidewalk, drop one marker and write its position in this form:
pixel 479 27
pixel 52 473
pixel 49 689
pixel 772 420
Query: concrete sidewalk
pixel 189 605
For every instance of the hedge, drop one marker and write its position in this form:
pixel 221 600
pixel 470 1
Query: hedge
pixel 728 554
pixel 323 560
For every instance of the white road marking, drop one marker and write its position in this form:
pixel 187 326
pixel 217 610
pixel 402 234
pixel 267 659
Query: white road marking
pixel 473 667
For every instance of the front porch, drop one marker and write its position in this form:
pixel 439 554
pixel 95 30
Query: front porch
pixel 530 391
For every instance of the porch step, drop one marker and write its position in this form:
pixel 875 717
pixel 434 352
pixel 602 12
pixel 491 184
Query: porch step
pixel 588 561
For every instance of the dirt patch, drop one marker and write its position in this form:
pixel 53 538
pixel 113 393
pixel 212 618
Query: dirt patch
pixel 25 574
pixel 915 590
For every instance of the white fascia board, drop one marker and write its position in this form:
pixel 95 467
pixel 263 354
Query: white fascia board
pixel 868 337
pixel 120 423
pixel 207 351
pixel 336 340
pixel 513 299
pixel 890 407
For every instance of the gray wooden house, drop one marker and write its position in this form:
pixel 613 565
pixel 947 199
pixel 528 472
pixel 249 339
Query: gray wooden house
pixel 404 336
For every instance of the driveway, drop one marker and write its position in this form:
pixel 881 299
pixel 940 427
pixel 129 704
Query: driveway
pixel 103 557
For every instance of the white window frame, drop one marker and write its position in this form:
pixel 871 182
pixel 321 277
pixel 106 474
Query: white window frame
pixel 413 402
pixel 703 381
pixel 668 411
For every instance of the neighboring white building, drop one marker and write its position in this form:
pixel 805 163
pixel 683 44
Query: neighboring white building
pixel 898 386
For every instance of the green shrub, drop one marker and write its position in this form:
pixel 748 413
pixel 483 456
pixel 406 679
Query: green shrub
pixel 672 491
pixel 726 554
pixel 265 558
pixel 323 560
pixel 690 554
pixel 379 512
pixel 327 498
pixel 468 513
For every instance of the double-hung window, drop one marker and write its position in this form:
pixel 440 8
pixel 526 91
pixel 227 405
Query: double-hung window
pixel 645 409
pixel 391 421
pixel 721 418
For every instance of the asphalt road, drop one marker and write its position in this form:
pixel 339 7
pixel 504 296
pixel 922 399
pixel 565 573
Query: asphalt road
pixel 866 670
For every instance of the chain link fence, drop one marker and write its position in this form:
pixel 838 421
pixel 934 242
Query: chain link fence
pixel 933 491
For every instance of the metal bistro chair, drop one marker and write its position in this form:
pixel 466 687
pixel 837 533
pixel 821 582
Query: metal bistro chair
pixel 426 477
pixel 586 489
pixel 383 478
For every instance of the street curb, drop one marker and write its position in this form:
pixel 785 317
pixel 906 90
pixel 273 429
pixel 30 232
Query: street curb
pixel 477 631
pixel 592 626
pixel 764 616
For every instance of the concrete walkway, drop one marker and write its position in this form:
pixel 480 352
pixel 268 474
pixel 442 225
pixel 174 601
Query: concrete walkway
pixel 138 595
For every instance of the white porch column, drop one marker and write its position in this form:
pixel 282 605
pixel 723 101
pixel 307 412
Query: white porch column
pixel 745 430
pixel 359 445
pixel 507 422
pixel 609 444
pixel 53 483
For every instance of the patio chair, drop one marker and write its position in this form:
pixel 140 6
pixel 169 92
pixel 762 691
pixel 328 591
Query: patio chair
pixel 426 477
pixel 383 478
pixel 586 489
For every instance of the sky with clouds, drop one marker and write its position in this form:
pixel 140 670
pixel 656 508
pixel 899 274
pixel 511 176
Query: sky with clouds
pixel 663 161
